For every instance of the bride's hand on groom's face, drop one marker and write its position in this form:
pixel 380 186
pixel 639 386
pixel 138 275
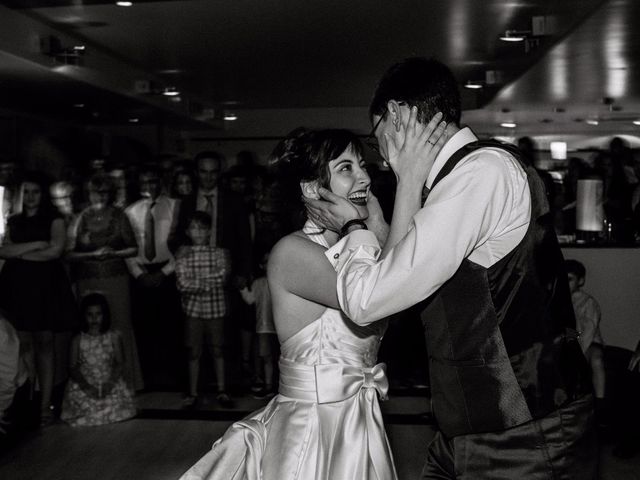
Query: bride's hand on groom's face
pixel 413 148
pixel 331 211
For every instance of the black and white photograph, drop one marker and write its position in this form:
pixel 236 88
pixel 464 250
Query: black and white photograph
pixel 328 240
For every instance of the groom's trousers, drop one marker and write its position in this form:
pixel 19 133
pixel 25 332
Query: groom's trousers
pixel 560 446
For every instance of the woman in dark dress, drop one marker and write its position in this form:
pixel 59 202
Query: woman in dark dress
pixel 99 241
pixel 34 286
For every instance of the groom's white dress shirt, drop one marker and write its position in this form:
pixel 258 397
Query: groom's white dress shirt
pixel 480 211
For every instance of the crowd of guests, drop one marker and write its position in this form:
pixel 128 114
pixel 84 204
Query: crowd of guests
pixel 119 282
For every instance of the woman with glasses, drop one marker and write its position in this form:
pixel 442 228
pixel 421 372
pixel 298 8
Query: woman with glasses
pixel 100 239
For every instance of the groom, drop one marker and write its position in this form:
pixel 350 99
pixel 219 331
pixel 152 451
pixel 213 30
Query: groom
pixel 510 387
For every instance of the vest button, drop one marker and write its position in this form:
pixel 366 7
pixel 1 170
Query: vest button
pixel 336 256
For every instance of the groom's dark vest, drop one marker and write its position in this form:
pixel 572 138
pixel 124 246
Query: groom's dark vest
pixel 501 340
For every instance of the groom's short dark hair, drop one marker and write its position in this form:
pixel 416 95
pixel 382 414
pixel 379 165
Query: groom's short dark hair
pixel 424 82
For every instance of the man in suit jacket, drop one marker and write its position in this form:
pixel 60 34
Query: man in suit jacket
pixel 230 220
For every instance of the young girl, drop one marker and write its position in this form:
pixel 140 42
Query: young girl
pixel 96 393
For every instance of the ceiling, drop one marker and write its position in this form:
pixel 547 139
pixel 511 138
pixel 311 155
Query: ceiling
pixel 290 54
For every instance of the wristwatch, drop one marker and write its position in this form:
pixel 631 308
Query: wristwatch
pixel 346 228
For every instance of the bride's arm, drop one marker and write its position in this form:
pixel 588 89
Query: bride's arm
pixel 300 267
pixel 411 152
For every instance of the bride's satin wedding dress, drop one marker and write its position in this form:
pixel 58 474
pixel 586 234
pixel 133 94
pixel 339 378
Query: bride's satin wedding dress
pixel 325 423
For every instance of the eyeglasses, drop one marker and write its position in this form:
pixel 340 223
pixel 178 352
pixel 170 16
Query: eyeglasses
pixel 371 141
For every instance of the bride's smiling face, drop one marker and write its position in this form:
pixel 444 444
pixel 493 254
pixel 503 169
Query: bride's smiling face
pixel 349 179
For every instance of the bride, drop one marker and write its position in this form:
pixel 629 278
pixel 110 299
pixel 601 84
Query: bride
pixel 325 423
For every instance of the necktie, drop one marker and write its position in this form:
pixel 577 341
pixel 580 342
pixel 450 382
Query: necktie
pixel 150 234
pixel 425 194
pixel 213 211
pixel 209 199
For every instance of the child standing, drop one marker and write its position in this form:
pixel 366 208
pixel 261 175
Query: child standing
pixel 587 313
pixel 96 393
pixel 260 296
pixel 202 273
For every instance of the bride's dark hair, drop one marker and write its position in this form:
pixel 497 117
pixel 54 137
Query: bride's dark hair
pixel 304 156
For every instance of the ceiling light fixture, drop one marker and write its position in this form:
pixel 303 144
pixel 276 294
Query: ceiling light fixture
pixel 636 122
pixel 134 120
pixel 592 121
pixel 473 85
pixel 230 117
pixel 514 35
pixel 124 4
pixel 171 92
pixel 509 124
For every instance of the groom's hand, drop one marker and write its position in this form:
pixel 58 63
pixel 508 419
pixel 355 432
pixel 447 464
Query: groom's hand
pixel 331 211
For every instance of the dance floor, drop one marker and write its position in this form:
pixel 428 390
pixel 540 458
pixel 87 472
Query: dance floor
pixel 165 440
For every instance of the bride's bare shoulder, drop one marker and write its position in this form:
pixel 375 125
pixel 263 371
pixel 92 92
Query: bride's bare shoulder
pixel 293 249
pixel 293 241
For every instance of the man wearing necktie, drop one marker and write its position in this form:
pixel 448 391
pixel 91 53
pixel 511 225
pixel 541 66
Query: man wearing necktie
pixel 156 306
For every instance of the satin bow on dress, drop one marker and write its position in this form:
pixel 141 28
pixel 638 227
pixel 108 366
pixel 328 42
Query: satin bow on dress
pixel 335 383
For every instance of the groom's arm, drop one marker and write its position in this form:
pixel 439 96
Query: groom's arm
pixel 471 204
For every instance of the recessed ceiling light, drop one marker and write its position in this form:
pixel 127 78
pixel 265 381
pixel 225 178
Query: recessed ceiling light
pixel 509 124
pixel 473 85
pixel 636 122
pixel 513 36
pixel 78 105
pixel 591 121
pixel 134 120
pixel 124 4
pixel 171 92
pixel 79 48
pixel 230 117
